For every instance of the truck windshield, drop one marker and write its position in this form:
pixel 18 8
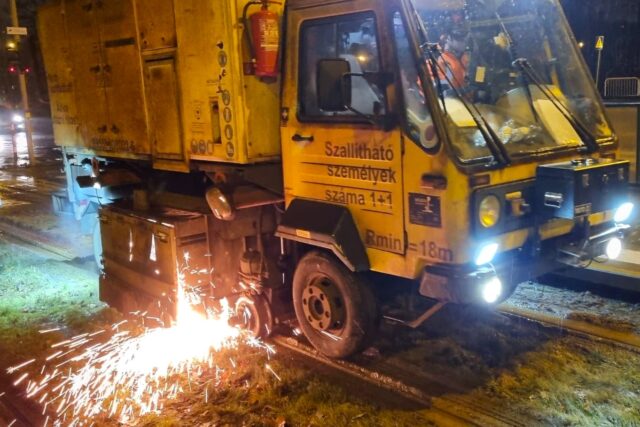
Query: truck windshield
pixel 477 44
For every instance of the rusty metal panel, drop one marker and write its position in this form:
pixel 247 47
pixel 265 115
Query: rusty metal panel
pixel 103 63
pixel 127 126
pixel 163 108
pixel 88 67
pixel 156 24
pixel 154 247
pixel 57 57
pixel 219 111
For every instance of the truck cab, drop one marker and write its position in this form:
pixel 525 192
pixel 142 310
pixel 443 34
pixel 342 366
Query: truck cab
pixel 468 184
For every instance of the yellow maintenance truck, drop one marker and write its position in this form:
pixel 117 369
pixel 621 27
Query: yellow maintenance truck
pixel 286 155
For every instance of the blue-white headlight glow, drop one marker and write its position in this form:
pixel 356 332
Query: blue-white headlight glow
pixel 492 290
pixel 486 254
pixel 624 212
pixel 614 248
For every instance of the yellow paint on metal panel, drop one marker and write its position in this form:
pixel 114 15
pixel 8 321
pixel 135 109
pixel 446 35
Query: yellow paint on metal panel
pixel 212 54
pixel 127 127
pixel 57 58
pixel 163 109
pixel 156 24
pixel 303 233
pixel 206 40
pixel 353 165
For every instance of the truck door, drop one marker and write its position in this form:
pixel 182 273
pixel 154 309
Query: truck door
pixel 341 157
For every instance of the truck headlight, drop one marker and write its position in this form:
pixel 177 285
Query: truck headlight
pixel 623 213
pixel 17 119
pixel 489 211
pixel 491 290
pixel 614 248
pixel 486 254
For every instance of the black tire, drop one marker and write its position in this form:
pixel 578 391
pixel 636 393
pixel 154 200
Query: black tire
pixel 253 313
pixel 320 282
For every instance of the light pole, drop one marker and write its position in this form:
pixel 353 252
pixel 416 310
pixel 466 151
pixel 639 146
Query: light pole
pixel 23 90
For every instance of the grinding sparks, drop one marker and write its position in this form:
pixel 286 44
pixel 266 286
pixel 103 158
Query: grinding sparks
pixel 126 375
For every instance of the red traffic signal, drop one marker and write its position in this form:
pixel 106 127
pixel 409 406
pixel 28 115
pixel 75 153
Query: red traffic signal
pixel 15 68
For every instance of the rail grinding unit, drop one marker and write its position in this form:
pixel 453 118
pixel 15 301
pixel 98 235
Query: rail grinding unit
pixel 281 155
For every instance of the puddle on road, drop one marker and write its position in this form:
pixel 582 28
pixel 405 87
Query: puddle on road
pixel 14 151
pixel 9 203
pixel 26 180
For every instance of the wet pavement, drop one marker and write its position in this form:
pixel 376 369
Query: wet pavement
pixel 26 211
pixel 13 147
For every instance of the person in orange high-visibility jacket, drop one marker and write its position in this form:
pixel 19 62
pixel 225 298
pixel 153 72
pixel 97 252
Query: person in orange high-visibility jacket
pixel 454 60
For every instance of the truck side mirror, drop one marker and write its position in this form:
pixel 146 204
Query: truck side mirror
pixel 333 84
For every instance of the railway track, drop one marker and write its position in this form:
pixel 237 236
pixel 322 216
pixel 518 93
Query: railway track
pixel 443 406
pixel 34 242
pixel 445 402
pixel 627 340
pixel 449 403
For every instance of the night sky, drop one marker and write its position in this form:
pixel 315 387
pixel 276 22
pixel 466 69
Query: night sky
pixel 619 22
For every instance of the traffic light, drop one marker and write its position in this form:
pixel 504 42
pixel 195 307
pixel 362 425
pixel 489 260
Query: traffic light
pixel 15 68
pixel 12 46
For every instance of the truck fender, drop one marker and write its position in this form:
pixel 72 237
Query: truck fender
pixel 326 226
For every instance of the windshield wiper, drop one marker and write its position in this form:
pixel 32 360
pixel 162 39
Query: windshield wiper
pixel 587 136
pixel 527 70
pixel 494 143
pixel 513 54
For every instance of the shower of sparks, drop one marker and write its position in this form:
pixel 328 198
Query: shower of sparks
pixel 132 374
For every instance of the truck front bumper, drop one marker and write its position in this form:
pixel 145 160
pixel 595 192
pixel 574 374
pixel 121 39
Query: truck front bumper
pixel 495 282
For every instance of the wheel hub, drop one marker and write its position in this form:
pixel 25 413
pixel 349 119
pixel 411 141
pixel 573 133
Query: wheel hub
pixel 322 304
pixel 247 315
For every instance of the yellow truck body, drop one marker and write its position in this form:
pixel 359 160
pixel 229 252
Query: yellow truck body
pixel 365 154
pixel 157 80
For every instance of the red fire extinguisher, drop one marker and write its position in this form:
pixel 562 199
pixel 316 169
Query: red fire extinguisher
pixel 265 38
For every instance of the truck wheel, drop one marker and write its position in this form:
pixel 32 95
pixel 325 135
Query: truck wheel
pixel 336 309
pixel 97 246
pixel 254 315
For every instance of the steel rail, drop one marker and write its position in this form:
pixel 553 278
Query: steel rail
pixel 446 410
pixel 628 340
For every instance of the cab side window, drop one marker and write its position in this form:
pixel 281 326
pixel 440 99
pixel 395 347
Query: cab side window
pixel 352 38
pixel 419 125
